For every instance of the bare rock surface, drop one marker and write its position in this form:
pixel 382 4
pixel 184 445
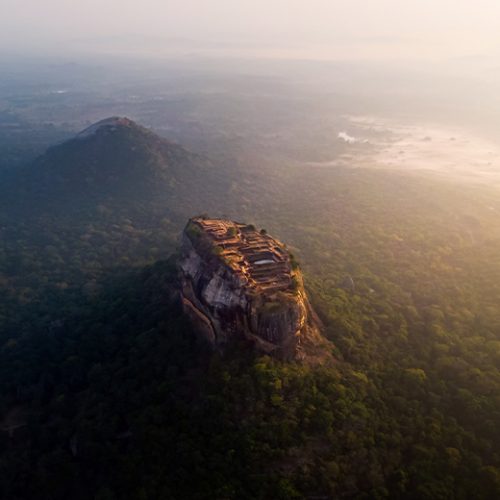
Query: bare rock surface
pixel 237 282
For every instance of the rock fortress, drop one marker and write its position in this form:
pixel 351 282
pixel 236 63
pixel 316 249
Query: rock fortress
pixel 241 283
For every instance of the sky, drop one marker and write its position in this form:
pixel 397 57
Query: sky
pixel 331 29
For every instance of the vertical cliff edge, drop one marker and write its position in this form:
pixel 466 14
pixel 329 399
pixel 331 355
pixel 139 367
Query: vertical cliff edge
pixel 240 283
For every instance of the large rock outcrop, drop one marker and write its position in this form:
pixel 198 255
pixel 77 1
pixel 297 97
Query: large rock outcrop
pixel 237 282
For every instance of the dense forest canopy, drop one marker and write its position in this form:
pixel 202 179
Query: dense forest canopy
pixel 105 393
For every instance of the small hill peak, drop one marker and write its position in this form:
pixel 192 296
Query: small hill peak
pixel 111 123
pixel 113 157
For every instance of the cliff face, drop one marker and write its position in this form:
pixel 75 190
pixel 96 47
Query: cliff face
pixel 237 282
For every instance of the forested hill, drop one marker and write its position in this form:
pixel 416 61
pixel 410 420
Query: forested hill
pixel 113 159
pixel 104 394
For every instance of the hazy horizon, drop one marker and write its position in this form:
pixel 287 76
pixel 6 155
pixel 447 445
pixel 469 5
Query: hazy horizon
pixel 429 31
pixel 404 66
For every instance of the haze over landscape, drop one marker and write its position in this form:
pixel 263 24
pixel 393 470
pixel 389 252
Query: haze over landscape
pixel 249 249
pixel 318 29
